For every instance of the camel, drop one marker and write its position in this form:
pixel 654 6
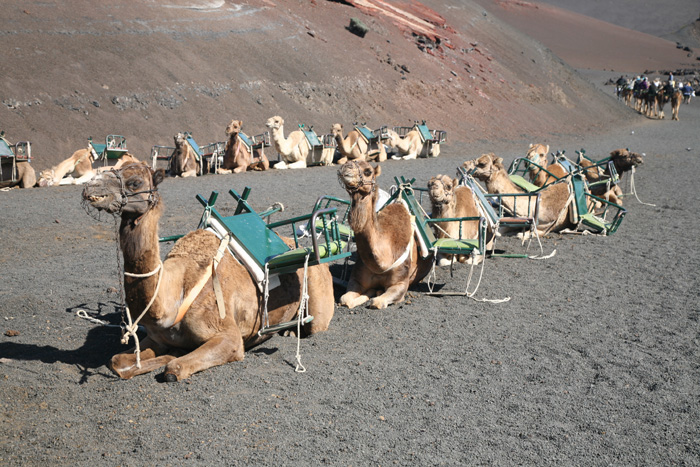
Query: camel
pixel 537 153
pixel 78 165
pixel 411 146
pixel 448 200
pixel 676 99
pixel 184 161
pixel 388 259
pixel 555 200
pixel 237 156
pixel 354 146
pixel 293 149
pixel 25 176
pixel 624 161
pixel 189 340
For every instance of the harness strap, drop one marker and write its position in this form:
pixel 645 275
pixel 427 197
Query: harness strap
pixel 190 297
pixel 215 277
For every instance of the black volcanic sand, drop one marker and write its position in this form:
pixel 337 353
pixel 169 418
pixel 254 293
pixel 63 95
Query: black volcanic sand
pixel 593 361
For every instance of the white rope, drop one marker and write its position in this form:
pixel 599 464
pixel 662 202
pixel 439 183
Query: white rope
pixel 132 327
pixel 303 312
pixel 634 189
pixel 266 296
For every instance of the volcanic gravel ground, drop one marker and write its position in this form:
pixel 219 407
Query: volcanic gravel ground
pixel 594 360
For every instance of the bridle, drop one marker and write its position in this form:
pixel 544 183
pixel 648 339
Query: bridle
pixel 152 199
pixel 352 190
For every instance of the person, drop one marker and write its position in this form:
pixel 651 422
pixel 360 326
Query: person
pixel 688 92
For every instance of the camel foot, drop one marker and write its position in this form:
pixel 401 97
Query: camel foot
pixel 170 378
pixel 444 262
pixel 378 303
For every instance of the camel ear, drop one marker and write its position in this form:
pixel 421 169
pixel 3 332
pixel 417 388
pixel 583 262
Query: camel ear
pixel 546 151
pixel 530 145
pixel 377 171
pixel 158 177
pixel 455 182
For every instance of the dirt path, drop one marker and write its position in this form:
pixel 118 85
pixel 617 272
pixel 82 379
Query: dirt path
pixel 593 361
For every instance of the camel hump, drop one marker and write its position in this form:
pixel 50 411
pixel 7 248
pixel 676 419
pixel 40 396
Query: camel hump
pixel 199 246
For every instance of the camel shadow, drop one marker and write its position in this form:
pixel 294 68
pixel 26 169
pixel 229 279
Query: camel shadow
pixel 101 342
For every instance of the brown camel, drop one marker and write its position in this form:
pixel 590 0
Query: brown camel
pixel 537 153
pixel 411 146
pixel 448 200
pixel 24 176
pixel 293 149
pixel 354 146
pixel 237 156
pixel 555 200
pixel 624 161
pixel 676 99
pixel 388 261
pixel 184 162
pixel 191 339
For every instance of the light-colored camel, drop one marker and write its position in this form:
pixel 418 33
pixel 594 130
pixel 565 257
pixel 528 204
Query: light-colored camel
pixel 25 176
pixel 353 146
pixel 537 153
pixel 237 156
pixel 79 166
pixel 449 200
pixel 200 338
pixel 294 149
pixel 555 200
pixel 388 261
pixel 624 161
pixel 184 162
pixel 411 146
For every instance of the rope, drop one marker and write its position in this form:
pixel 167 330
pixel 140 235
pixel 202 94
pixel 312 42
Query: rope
pixel 132 327
pixel 634 189
pixel 303 312
pixel 266 296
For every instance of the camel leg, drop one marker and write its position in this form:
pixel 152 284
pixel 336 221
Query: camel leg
pixel 223 171
pixel 393 294
pixel 84 178
pixel 220 349
pixel 321 304
pixel 297 165
pixel 124 364
pixel 189 173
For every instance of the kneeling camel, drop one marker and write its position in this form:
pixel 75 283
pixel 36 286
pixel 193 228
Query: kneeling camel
pixel 191 339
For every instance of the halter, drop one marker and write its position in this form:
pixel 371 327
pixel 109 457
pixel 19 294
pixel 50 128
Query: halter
pixel 356 166
pixel 151 200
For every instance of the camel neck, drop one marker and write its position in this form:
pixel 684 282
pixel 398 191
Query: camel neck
pixel 139 241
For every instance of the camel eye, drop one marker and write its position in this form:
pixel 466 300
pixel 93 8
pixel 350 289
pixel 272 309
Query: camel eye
pixel 368 172
pixel 134 183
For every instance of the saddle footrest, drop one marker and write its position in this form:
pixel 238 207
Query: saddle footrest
pixel 456 246
pixel 295 258
pixel 283 326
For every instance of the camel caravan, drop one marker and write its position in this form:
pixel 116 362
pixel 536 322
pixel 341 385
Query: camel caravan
pixel 238 279
pixel 650 97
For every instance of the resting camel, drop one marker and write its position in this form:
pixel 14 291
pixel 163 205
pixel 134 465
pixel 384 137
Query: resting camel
pixel 411 146
pixel 554 202
pixel 354 146
pixel 188 340
pixel 237 156
pixel 388 261
pixel 79 165
pixel 537 153
pixel 447 199
pixel 25 176
pixel 624 161
pixel 184 162
pixel 293 149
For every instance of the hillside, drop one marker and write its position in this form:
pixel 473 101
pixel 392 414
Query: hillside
pixel 148 70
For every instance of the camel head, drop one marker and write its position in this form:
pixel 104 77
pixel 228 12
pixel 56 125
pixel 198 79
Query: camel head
pixel 337 129
pixel 46 178
pixel 625 160
pixel 484 167
pixel 274 123
pixel 180 139
pixel 441 189
pixel 131 190
pixel 234 127
pixel 537 153
pixel 358 176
